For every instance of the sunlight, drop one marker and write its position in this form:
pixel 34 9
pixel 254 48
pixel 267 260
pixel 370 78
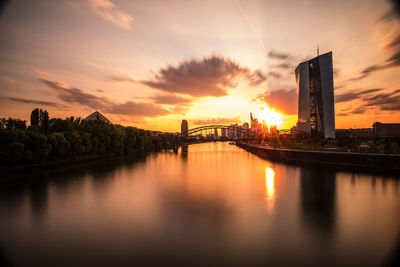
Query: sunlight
pixel 269 188
pixel 270 116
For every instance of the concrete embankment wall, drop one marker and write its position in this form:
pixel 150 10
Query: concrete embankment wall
pixel 384 162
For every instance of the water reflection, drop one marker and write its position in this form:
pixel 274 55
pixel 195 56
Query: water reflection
pixel 184 151
pixel 318 198
pixel 269 188
pixel 219 206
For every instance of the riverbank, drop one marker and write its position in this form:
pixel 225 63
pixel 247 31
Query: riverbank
pixel 344 160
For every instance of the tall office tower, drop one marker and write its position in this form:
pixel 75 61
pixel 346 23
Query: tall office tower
pixel 314 80
pixel 184 128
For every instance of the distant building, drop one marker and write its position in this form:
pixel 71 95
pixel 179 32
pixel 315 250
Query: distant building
pixel 223 132
pixel 253 124
pixel 97 116
pixel 215 134
pixel 316 111
pixel 184 128
pixel 245 126
pixel 264 127
pixel 272 130
pixel 386 130
pixel 366 133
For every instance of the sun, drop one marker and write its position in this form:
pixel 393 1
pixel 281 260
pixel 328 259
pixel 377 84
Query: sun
pixel 270 116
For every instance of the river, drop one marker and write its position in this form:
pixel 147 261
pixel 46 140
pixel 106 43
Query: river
pixel 216 205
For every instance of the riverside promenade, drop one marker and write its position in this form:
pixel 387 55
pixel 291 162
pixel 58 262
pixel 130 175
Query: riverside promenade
pixel 346 160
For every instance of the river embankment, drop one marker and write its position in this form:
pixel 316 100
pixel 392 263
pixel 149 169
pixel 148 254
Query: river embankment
pixel 346 160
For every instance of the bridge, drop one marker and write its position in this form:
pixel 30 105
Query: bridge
pixel 227 131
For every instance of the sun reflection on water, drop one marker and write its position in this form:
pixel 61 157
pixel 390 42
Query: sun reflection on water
pixel 269 188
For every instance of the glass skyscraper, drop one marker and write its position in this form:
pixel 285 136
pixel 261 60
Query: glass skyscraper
pixel 314 79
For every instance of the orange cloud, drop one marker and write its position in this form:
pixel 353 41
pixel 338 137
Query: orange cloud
pixel 282 100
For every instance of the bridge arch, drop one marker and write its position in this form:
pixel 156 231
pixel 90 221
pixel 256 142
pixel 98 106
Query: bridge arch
pixel 243 132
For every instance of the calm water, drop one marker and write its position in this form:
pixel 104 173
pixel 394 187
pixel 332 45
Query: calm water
pixel 216 205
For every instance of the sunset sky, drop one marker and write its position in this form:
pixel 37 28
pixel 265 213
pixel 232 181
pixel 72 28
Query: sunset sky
pixel 151 64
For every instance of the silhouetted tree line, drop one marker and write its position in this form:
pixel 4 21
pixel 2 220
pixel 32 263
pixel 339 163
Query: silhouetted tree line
pixel 58 139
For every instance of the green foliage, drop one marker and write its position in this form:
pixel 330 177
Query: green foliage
pixel 59 139
pixel 59 145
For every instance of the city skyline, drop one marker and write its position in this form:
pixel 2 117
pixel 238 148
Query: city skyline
pixel 143 66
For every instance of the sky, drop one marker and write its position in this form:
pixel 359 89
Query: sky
pixel 150 64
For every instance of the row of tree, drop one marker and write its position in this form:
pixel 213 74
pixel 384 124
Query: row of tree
pixel 58 139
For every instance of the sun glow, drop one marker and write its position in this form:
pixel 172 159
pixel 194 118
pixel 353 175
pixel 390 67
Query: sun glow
pixel 269 188
pixel 270 116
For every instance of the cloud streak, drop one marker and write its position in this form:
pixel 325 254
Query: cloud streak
pixel 110 12
pixel 72 95
pixel 354 95
pixel 107 10
pixel 393 45
pixel 35 102
pixel 279 55
pixel 170 99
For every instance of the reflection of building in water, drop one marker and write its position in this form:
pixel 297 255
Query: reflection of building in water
pixel 318 198
pixel 184 151
pixel 269 188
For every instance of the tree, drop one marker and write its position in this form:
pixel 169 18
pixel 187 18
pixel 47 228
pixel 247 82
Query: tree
pixel 14 124
pixel 38 146
pixel 35 118
pixel 44 121
pixel 15 152
pixel 3 122
pixel 59 145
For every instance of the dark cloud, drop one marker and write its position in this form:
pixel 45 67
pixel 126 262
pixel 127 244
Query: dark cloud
pixel 209 76
pixel 343 114
pixel 284 66
pixel 338 87
pixel 72 95
pixel 283 100
pixel 279 55
pixel 36 102
pixel 359 110
pixel 216 121
pixel 286 60
pixel 171 99
pixel 384 101
pixel 369 70
pixel 354 95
